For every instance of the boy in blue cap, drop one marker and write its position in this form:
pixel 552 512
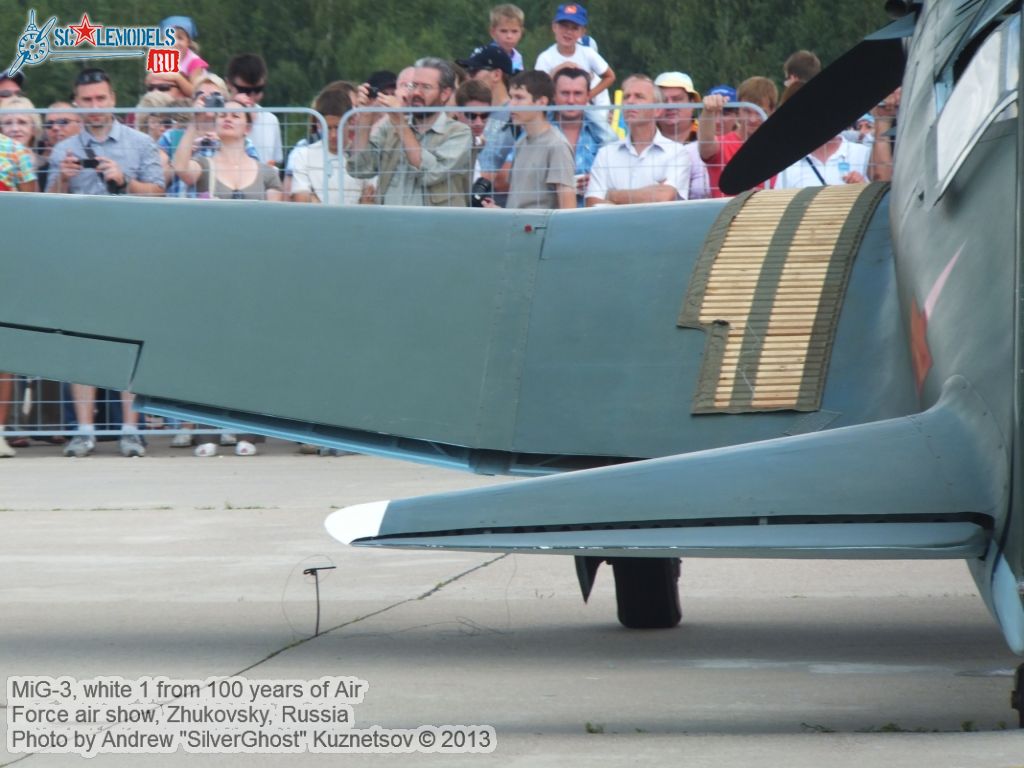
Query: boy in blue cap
pixel 569 24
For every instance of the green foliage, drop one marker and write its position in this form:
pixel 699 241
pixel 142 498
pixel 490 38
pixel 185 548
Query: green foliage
pixel 308 43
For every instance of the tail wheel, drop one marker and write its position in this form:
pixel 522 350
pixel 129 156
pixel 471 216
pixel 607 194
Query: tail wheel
pixel 647 591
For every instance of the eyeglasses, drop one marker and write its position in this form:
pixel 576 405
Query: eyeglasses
pixel 248 89
pixel 90 76
pixel 428 87
pixel 471 116
pixel 163 87
pixel 6 93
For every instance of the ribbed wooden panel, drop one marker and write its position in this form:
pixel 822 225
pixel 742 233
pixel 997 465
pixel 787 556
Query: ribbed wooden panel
pixel 780 309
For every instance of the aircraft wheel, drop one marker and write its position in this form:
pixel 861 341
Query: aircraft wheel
pixel 647 591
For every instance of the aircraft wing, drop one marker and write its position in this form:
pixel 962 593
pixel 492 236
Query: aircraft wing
pixel 524 343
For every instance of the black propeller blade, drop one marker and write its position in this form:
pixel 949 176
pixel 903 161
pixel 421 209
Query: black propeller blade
pixel 823 107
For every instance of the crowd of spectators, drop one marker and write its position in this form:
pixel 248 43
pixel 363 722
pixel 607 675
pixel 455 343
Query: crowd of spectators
pixel 500 147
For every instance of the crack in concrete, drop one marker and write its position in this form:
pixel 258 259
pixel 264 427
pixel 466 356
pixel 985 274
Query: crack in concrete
pixel 432 591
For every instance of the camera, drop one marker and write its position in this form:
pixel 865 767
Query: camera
pixel 372 91
pixel 214 100
pixel 481 188
pixel 207 143
pixel 90 161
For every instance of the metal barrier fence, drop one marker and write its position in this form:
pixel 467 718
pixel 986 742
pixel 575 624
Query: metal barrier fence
pixel 682 162
pixel 43 409
pixel 486 150
pixel 309 172
pixel 264 141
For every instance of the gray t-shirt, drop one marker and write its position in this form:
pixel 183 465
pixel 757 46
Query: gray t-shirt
pixel 266 178
pixel 542 163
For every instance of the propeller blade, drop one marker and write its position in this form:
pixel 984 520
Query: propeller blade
pixel 819 111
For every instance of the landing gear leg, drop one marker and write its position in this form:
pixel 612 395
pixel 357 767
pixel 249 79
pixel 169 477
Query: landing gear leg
pixel 647 591
pixel 1017 696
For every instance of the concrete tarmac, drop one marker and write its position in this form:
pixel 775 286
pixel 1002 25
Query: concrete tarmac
pixel 193 568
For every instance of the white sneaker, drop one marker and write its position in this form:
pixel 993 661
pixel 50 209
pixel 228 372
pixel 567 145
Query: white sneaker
pixel 203 450
pixel 245 448
pixel 131 445
pixel 181 440
pixel 6 452
pixel 80 446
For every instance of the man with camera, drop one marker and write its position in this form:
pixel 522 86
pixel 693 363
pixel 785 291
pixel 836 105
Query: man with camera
pixel 106 157
pixel 422 158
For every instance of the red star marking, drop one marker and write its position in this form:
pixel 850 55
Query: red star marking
pixel 920 354
pixel 85 32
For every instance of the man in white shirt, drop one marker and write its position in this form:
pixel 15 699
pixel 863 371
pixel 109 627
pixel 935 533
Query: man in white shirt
pixel 311 182
pixel 837 161
pixel 645 167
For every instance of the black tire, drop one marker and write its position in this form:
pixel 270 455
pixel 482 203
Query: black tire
pixel 647 592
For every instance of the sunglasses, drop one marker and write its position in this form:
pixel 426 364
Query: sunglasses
pixel 60 121
pixel 90 76
pixel 163 87
pixel 248 89
pixel 471 116
pixel 7 93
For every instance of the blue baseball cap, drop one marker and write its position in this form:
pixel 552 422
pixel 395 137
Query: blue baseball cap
pixel 185 22
pixel 723 90
pixel 573 12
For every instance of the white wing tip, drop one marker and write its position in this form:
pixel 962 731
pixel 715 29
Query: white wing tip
pixel 360 521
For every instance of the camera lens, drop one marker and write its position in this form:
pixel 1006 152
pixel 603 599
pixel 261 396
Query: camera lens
pixel 481 188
